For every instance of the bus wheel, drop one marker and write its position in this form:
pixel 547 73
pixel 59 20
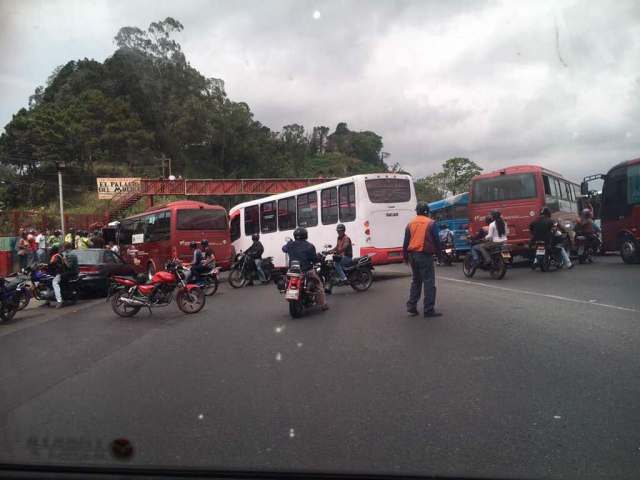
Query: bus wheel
pixel 629 251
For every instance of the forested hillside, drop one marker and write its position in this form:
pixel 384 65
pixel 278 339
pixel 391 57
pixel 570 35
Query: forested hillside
pixel 144 110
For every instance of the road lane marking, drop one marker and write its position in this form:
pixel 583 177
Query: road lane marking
pixel 538 294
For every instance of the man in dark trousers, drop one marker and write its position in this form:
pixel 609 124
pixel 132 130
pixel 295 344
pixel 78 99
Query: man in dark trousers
pixel 421 242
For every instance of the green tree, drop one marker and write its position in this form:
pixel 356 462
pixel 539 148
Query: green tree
pixel 457 173
pixel 430 188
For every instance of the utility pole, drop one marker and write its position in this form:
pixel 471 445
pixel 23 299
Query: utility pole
pixel 59 167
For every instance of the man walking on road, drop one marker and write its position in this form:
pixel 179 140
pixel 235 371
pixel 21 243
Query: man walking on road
pixel 421 242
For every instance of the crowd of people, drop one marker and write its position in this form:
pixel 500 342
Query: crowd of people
pixel 36 246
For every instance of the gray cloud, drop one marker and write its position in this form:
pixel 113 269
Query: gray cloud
pixel 553 83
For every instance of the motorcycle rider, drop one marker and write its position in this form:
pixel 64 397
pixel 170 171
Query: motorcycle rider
pixel 303 251
pixel 207 251
pixel 344 248
pixel 55 268
pixel 542 230
pixel 476 240
pixel 589 229
pixel 195 267
pixel 446 237
pixel 254 252
pixel 497 234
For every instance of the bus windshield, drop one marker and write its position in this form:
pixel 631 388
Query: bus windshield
pixel 388 190
pixel 201 219
pixel 504 187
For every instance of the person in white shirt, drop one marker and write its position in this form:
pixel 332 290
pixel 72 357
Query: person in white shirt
pixel 41 252
pixel 497 234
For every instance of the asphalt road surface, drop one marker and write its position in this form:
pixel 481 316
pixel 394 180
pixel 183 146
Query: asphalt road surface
pixel 534 376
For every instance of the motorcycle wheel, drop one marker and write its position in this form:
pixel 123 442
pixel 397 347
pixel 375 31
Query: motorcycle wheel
pixel 467 267
pixel 236 279
pixel 498 269
pixel 545 264
pixel 7 312
pixel 448 261
pixel 120 308
pixel 295 309
pixel 211 286
pixel 362 280
pixel 191 301
pixel 23 301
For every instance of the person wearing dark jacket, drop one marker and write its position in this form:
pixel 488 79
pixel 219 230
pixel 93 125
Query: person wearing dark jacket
pixel 544 229
pixel 255 251
pixel 300 250
pixel 421 243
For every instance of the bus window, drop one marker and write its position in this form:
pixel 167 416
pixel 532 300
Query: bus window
pixel 614 195
pixel 633 184
pixel 388 190
pixel 159 227
pixel 347 202
pixel 567 188
pixel 547 186
pixel 504 187
pixel 329 206
pixel 201 219
pixel 268 219
pixel 561 194
pixel 308 209
pixel 234 228
pixel 287 213
pixel 251 220
pixel 553 187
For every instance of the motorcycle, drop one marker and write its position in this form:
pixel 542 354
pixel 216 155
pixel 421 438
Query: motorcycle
pixel 359 273
pixel 448 254
pixel 207 280
pixel 25 292
pixel 585 249
pixel 10 297
pixel 243 270
pixel 546 257
pixel 300 290
pixel 128 296
pixel 42 286
pixel 497 266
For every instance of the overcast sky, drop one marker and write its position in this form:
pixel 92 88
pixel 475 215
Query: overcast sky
pixel 553 83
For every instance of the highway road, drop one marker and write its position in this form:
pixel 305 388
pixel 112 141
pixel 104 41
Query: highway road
pixel 533 376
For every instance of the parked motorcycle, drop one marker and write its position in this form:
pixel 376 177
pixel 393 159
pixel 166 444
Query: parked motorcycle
pixel 497 267
pixel 243 270
pixel 42 286
pixel 300 290
pixel 359 273
pixel 25 292
pixel 10 297
pixel 129 296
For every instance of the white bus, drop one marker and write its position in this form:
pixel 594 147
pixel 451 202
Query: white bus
pixel 375 209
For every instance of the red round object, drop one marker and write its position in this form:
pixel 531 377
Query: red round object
pixel 163 277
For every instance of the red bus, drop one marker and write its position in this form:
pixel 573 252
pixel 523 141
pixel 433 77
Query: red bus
pixel 620 211
pixel 519 192
pixel 149 239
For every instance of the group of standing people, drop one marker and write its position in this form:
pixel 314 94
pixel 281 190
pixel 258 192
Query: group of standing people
pixel 37 246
